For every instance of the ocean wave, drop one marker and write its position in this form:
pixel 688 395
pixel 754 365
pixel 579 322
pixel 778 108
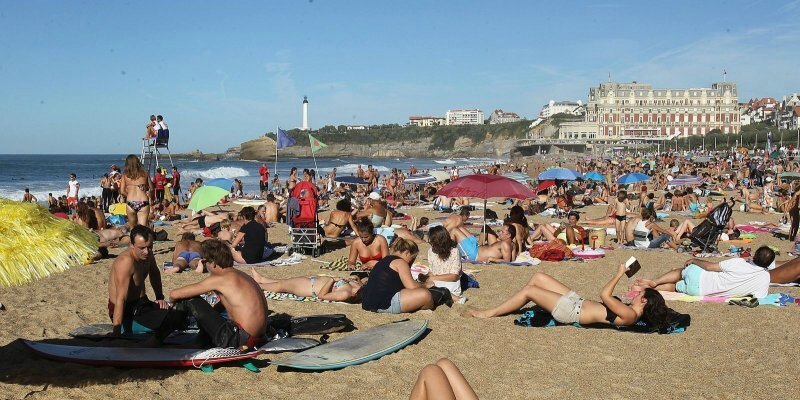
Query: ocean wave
pixel 218 172
pixel 41 195
pixel 448 161
pixel 353 169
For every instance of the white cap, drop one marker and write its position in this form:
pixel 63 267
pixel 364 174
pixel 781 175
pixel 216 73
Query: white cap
pixel 769 179
pixel 374 196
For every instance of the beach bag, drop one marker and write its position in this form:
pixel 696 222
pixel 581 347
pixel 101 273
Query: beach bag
pixel 161 236
pixel 311 325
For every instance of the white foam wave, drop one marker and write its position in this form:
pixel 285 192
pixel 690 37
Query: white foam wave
pixel 448 161
pixel 353 169
pixel 218 172
pixel 41 194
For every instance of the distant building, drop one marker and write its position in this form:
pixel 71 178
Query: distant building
pixel 637 111
pixel 415 120
pixel 356 128
pixel 578 130
pixel 561 107
pixel 464 117
pixel 501 117
pixel 760 110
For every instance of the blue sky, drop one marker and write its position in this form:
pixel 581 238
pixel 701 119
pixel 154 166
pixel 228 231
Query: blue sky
pixel 83 76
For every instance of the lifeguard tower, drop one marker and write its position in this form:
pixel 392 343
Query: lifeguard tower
pixel 152 149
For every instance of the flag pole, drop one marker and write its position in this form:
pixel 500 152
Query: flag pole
pixel 312 153
pixel 275 173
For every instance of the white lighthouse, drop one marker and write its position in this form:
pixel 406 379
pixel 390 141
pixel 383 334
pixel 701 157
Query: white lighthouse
pixel 305 113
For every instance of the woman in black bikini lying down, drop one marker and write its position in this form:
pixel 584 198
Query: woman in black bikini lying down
pixel 568 307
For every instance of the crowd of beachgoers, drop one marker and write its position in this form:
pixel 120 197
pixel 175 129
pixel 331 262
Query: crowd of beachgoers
pixel 649 200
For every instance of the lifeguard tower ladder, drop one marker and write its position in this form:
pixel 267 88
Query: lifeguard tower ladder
pixel 151 150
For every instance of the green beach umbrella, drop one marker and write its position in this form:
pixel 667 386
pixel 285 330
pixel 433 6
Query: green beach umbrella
pixel 206 196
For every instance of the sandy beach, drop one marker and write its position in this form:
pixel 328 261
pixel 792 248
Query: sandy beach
pixel 729 352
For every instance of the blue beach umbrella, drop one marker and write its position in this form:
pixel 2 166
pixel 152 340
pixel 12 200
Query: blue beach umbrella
pixel 420 179
pixel 559 173
pixel 595 176
pixel 635 177
pixel 222 183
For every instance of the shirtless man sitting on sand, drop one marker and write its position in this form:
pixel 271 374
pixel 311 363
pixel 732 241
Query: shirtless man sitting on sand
pixel 239 295
pixel 127 295
pixel 504 249
pixel 271 209
pixel 187 254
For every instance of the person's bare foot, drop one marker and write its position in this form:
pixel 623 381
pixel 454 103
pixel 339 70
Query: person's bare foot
pixel 473 312
pixel 645 283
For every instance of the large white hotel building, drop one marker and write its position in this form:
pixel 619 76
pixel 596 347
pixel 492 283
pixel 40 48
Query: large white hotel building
pixel 636 110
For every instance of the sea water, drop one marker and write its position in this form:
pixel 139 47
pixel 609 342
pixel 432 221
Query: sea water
pixel 44 174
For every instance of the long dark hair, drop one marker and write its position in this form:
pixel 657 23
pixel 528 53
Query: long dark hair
pixel 517 214
pixel 656 313
pixel 441 243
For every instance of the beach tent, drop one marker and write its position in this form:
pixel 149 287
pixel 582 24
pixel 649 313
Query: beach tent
pixel 36 244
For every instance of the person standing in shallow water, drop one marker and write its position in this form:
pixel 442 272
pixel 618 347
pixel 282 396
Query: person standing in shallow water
pixel 28 197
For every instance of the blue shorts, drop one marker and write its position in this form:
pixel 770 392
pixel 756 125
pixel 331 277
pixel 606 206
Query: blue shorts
pixel 469 248
pixel 394 306
pixel 690 284
pixel 189 256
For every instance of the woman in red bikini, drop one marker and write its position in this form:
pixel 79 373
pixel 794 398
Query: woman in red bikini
pixel 369 247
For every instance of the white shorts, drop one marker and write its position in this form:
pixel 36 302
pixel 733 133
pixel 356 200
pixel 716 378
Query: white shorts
pixel 453 287
pixel 568 308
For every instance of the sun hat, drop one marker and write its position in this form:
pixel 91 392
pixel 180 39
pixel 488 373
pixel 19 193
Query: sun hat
pixel 374 196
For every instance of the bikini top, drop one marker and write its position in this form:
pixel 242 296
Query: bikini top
pixel 611 316
pixel 376 257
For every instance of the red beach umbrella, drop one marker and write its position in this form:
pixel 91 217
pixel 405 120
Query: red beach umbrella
pixel 544 185
pixel 486 187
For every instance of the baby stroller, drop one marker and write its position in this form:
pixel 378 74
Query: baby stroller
pixel 303 224
pixel 706 235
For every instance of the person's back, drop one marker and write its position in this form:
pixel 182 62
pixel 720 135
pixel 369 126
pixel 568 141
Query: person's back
pixel 243 300
pixel 383 283
pixel 737 278
pixel 254 241
pixel 271 210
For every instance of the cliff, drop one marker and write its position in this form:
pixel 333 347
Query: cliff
pixel 263 148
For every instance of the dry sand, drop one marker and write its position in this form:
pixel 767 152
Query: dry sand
pixel 729 352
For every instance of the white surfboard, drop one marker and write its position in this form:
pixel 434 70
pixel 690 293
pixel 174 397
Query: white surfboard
pixel 359 347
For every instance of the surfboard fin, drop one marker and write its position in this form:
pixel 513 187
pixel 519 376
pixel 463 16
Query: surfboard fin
pixel 250 367
pixel 207 368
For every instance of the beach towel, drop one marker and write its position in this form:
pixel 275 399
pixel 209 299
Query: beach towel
pixel 772 299
pixel 539 318
pixel 641 248
pixel 290 297
pixel 341 265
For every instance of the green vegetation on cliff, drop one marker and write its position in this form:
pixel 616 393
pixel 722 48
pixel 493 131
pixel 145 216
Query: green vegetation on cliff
pixel 442 137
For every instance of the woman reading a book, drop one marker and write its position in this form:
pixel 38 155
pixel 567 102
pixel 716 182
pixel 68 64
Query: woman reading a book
pixel 567 307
